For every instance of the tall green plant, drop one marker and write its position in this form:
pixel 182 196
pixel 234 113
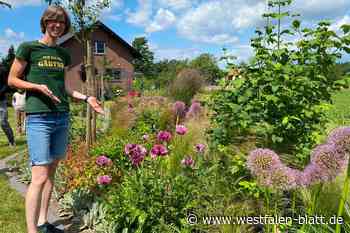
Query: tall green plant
pixel 286 87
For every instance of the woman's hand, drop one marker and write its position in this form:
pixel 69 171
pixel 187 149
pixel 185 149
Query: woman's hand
pixel 46 91
pixel 95 104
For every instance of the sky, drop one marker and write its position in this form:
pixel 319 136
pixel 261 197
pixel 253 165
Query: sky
pixel 177 29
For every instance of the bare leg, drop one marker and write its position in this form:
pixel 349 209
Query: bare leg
pixel 33 197
pixel 46 194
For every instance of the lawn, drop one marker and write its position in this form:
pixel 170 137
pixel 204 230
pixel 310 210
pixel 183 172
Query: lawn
pixel 5 150
pixel 12 213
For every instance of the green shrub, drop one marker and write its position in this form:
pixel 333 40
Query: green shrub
pixel 285 91
pixel 187 83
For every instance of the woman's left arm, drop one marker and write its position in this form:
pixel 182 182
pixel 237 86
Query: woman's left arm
pixel 94 103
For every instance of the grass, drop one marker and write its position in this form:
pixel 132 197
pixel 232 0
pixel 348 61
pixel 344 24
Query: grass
pixel 12 212
pixel 5 150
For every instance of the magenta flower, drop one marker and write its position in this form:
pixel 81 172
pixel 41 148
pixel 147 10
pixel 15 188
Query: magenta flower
pixel 194 110
pixel 188 161
pixel 181 129
pixel 103 160
pixel 129 147
pixel 164 136
pixel 104 180
pixel 136 153
pixel 179 109
pixel 262 160
pixel 199 148
pixel 145 137
pixel 158 150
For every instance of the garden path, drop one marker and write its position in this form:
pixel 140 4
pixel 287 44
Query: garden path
pixel 22 188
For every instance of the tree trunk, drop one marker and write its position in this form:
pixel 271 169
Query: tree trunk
pixel 89 80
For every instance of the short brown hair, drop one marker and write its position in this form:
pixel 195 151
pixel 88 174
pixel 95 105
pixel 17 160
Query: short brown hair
pixel 55 13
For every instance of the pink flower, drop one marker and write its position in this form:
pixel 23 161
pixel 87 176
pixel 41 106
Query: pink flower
pixel 181 129
pixel 199 148
pixel 158 150
pixel 103 160
pixel 104 180
pixel 195 110
pixel 136 153
pixel 145 137
pixel 164 136
pixel 188 161
pixel 179 109
pixel 262 161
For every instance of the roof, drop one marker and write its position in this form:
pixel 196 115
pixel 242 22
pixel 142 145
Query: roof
pixel 133 51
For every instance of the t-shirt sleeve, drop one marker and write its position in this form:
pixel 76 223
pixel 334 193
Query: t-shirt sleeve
pixel 23 52
pixel 68 59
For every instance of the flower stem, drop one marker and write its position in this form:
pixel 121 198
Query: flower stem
pixel 343 199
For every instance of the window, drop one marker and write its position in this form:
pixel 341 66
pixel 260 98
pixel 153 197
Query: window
pixel 100 47
pixel 115 74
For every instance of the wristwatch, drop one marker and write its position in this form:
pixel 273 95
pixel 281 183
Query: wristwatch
pixel 86 98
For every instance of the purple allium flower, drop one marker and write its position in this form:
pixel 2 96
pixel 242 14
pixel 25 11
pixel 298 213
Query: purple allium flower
pixel 158 150
pixel 199 148
pixel 262 160
pixel 312 174
pixel 104 180
pixel 328 159
pixel 188 161
pixel 341 138
pixel 194 110
pixel 179 109
pixel 164 136
pixel 181 129
pixel 281 178
pixel 136 153
pixel 129 147
pixel 103 160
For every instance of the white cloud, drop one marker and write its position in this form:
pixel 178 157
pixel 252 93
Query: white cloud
pixel 336 25
pixel 162 20
pixel 175 4
pixel 218 21
pixel 176 53
pixel 321 8
pixel 142 15
pixel 8 38
pixel 10 34
pixel 18 3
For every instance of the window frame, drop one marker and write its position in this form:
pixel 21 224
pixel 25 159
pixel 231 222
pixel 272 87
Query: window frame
pixel 96 47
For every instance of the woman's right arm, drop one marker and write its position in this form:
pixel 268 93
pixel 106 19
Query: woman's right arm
pixel 17 71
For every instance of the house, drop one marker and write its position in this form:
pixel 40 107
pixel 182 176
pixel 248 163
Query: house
pixel 108 48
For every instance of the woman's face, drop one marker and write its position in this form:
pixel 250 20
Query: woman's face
pixel 55 28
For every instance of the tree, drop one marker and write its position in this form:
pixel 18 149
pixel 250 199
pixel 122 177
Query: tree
pixel 8 60
pixel 85 15
pixel 2 3
pixel 144 64
pixel 208 66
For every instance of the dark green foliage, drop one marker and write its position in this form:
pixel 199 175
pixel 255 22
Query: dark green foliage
pixel 10 57
pixel 207 65
pixel 145 63
pixel 187 83
pixel 283 95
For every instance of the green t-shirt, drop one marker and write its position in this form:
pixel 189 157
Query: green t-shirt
pixel 45 65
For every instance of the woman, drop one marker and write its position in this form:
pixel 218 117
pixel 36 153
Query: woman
pixel 44 65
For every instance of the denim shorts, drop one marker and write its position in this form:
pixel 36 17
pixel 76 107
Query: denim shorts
pixel 47 137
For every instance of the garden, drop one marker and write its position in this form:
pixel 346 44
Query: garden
pixel 266 150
